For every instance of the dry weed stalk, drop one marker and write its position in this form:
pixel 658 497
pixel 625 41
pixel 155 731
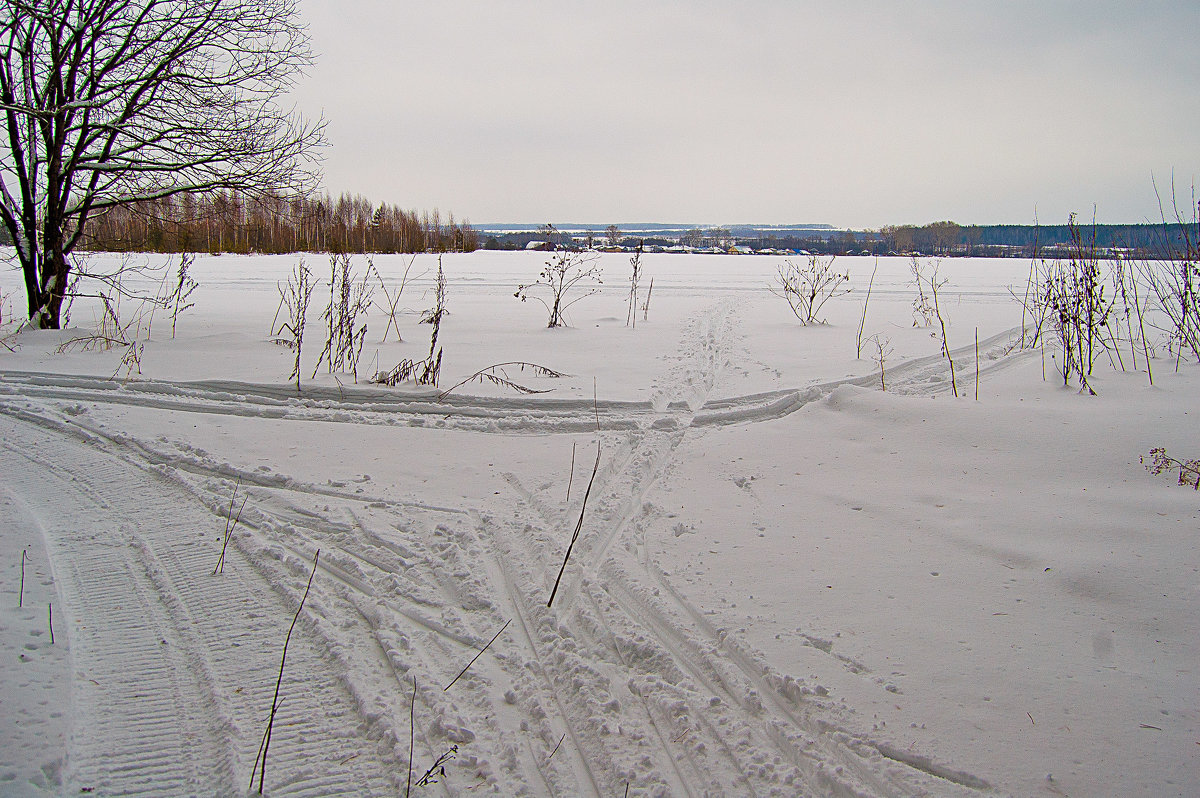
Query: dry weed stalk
pixel 636 263
pixel 412 731
pixel 260 761
pixel 976 364
pixel 862 321
pixel 571 478
pixel 294 299
pixel 427 371
pixel 437 770
pixel 930 304
pixel 231 522
pixel 883 350
pixel 349 302
pixel 582 508
pixel 179 299
pixel 924 313
pixel 496 375
pixel 1161 462
pixel 392 300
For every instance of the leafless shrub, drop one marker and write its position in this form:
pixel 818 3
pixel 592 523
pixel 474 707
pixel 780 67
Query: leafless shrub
pixel 1078 310
pixel 1174 281
pixel 112 333
pixel 565 273
pixel 808 287
pixel 646 304
pixel 115 328
pixel 1160 462
pixel 294 299
pixel 345 317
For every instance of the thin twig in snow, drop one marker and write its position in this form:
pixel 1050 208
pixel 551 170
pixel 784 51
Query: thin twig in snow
pixel 583 507
pixel 412 709
pixel 477 656
pixel 266 744
pixel 571 479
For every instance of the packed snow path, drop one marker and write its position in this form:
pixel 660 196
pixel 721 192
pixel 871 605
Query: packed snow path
pixel 621 684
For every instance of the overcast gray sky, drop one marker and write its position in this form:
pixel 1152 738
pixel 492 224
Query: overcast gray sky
pixel 855 114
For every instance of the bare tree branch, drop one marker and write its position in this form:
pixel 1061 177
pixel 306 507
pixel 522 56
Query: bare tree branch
pixel 110 102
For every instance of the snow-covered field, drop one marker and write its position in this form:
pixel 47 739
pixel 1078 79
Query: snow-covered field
pixel 786 582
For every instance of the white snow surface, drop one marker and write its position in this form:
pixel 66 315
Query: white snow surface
pixel 786 581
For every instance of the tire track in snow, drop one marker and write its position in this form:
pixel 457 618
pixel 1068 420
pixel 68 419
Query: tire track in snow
pixel 185 661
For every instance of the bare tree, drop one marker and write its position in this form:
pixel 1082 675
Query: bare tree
pixel 613 234
pixel 111 102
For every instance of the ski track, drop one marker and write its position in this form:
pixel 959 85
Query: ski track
pixel 678 401
pixel 174 667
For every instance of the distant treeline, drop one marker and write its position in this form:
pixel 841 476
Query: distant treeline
pixel 938 238
pixel 230 222
pixel 979 241
pixel 1149 240
pixel 351 223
